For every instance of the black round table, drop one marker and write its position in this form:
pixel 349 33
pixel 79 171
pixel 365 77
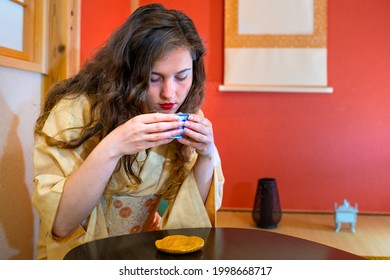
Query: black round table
pixel 220 244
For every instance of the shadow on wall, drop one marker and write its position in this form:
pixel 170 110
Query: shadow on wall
pixel 16 216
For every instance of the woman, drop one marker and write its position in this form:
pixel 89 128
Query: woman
pixel 106 151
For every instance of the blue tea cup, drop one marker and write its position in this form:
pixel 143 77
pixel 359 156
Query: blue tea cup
pixel 183 117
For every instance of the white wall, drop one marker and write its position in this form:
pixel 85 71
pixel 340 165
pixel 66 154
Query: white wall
pixel 20 96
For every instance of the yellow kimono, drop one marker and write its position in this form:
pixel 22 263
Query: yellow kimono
pixel 52 167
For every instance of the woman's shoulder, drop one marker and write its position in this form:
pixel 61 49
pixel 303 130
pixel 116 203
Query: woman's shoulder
pixel 200 113
pixel 70 112
pixel 78 106
pixel 74 103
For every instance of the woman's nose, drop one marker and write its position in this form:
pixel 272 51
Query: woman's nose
pixel 168 90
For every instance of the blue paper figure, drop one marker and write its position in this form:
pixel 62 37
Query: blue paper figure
pixel 345 214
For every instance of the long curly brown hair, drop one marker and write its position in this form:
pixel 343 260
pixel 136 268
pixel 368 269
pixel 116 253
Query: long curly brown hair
pixel 117 77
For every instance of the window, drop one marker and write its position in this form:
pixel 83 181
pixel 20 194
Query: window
pixel 22 34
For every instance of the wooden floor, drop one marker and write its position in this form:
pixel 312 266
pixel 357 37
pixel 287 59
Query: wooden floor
pixel 371 239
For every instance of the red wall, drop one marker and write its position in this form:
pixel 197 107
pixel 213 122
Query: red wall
pixel 321 148
pixel 98 19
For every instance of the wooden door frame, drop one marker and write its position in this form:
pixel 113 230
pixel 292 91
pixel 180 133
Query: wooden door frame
pixel 63 43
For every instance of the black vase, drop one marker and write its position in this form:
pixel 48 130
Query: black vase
pixel 266 211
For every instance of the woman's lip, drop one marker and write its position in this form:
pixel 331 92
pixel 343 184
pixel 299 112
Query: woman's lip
pixel 167 106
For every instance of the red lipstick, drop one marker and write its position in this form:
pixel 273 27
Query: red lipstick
pixel 167 106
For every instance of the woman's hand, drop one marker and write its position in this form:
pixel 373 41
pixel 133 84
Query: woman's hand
pixel 199 135
pixel 143 132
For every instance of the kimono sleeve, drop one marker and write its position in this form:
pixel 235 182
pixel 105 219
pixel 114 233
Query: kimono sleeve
pixel 52 165
pixel 188 209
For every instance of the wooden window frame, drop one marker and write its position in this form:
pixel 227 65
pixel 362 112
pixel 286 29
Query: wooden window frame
pixel 33 56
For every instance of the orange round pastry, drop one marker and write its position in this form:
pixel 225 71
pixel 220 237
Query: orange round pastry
pixel 179 244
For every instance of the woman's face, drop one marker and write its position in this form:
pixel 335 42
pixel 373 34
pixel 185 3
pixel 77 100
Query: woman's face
pixel 170 82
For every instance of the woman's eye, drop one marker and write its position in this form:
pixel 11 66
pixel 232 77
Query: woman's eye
pixel 181 77
pixel 154 79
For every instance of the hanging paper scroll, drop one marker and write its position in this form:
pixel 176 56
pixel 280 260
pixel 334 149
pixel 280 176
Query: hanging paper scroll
pixel 276 45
